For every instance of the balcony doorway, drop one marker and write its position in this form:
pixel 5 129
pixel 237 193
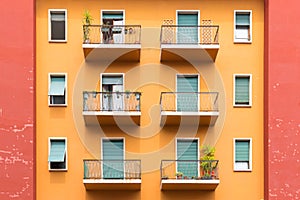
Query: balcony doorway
pixel 112 86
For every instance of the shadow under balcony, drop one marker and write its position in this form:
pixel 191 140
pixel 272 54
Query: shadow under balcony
pixel 112 174
pixel 189 108
pixel 111 108
pixel 198 43
pixel 189 175
pixel 110 42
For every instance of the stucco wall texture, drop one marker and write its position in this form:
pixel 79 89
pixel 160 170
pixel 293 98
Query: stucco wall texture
pixel 17 61
pixel 282 100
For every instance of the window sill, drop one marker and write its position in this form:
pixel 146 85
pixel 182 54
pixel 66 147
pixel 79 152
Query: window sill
pixel 242 106
pixel 57 105
pixel 242 170
pixel 57 41
pixel 242 41
pixel 58 170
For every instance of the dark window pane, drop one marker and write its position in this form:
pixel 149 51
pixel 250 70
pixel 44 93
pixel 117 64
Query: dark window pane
pixel 57 30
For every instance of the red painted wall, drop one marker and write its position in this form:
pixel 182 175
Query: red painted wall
pixel 282 100
pixel 17 114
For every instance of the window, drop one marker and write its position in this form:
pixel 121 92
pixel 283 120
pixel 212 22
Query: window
pixel 57 90
pixel 242 90
pixel 113 18
pixel 187 93
pixel 189 32
pixel 113 158
pixel 187 150
pixel 242 154
pixel 57 25
pixel 243 26
pixel 57 159
pixel 111 84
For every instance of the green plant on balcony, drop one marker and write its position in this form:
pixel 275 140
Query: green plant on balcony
pixel 87 21
pixel 179 175
pixel 206 161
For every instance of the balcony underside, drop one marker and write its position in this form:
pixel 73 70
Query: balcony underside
pixel 189 52
pixel 189 184
pixel 111 52
pixel 112 118
pixel 189 118
pixel 110 184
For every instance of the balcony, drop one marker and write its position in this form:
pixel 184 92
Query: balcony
pixel 112 174
pixel 111 108
pixel 196 175
pixel 198 43
pixel 110 42
pixel 189 108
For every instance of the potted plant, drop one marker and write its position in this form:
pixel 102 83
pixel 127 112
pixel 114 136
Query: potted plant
pixel 206 161
pixel 87 20
pixel 127 92
pixel 179 175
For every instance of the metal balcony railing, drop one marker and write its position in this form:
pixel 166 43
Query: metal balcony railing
pixel 111 101
pixel 111 34
pixel 112 169
pixel 180 34
pixel 189 101
pixel 189 169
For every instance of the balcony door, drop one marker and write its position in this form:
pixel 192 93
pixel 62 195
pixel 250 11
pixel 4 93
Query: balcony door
pixel 113 158
pixel 189 34
pixel 116 19
pixel 187 87
pixel 112 88
pixel 187 156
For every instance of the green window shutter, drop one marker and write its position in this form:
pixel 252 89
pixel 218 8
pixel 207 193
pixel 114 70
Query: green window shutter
pixel 188 19
pixel 114 16
pixel 57 16
pixel 112 80
pixel 189 101
pixel 187 34
pixel 242 19
pixel 57 151
pixel 57 86
pixel 242 90
pixel 113 163
pixel 187 150
pixel 242 149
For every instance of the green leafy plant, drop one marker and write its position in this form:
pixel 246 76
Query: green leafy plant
pixel 206 163
pixel 179 175
pixel 87 21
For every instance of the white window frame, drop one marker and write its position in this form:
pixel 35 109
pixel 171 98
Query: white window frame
pixel 188 139
pixel 49 149
pixel 49 24
pixel 189 12
pixel 112 10
pixel 239 40
pixel 250 90
pixel 102 150
pixel 250 154
pixel 198 89
pixel 66 89
pixel 112 74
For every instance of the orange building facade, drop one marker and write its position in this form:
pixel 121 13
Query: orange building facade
pixel 130 94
